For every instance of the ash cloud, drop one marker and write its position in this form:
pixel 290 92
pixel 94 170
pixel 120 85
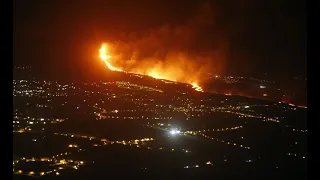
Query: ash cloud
pixel 182 52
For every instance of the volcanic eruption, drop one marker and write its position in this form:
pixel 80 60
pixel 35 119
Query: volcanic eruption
pixel 107 59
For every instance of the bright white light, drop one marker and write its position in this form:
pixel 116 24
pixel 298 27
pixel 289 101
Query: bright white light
pixel 246 106
pixel 262 87
pixel 173 132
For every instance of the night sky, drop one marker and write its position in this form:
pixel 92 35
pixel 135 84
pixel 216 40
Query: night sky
pixel 60 37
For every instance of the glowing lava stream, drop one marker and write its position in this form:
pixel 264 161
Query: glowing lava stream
pixel 105 57
pixel 196 87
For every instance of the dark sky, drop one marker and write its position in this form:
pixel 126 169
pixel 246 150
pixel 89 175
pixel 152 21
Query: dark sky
pixel 59 37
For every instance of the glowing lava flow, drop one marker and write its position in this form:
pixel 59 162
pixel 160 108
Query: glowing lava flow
pixel 105 57
pixel 196 87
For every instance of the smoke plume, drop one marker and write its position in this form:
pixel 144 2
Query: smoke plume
pixel 182 53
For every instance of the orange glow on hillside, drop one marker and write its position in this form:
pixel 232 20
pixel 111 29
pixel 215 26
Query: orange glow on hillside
pixel 197 87
pixel 152 70
pixel 105 57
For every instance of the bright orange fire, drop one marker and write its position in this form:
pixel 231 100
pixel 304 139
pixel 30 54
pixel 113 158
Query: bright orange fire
pixel 105 57
pixel 197 87
pixel 156 72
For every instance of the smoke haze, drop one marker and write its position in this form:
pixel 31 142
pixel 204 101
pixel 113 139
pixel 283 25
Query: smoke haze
pixel 171 52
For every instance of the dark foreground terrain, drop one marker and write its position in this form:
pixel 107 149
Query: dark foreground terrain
pixel 154 129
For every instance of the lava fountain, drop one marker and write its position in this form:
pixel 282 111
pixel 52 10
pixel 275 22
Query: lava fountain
pixel 105 57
